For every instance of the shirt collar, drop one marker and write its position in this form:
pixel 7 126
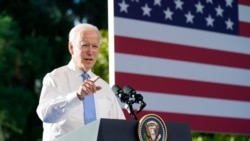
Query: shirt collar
pixel 76 70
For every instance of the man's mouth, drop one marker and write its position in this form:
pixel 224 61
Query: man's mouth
pixel 88 59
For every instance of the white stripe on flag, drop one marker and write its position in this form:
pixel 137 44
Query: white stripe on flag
pixel 192 105
pixel 180 35
pixel 181 69
pixel 244 13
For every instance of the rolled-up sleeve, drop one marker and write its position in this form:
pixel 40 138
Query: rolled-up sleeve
pixel 54 104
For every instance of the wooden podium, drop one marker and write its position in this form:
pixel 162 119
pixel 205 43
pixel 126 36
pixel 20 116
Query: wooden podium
pixel 123 130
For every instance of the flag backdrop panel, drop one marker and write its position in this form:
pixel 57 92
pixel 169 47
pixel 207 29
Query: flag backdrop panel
pixel 189 59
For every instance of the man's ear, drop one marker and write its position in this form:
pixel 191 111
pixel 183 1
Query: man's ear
pixel 70 47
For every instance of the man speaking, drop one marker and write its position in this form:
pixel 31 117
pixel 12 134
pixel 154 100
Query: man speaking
pixel 72 95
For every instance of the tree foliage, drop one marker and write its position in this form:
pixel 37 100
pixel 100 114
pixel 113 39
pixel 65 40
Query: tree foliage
pixel 33 41
pixel 102 64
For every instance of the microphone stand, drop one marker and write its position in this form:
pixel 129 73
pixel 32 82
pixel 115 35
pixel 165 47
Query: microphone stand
pixel 125 94
pixel 129 107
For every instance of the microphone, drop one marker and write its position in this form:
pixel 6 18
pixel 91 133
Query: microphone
pixel 129 90
pixel 138 98
pixel 124 98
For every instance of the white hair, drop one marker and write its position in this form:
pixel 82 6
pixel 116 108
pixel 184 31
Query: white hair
pixel 76 30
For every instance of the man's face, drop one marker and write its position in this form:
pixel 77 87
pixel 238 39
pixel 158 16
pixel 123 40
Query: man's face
pixel 85 50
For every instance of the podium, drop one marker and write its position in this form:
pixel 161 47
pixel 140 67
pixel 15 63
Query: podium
pixel 123 130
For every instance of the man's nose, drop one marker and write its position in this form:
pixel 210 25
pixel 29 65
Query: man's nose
pixel 90 49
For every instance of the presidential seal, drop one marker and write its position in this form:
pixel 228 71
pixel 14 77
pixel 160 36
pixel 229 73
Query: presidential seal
pixel 151 127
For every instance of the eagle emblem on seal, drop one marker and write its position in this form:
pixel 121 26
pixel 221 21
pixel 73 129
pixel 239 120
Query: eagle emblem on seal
pixel 152 131
pixel 151 127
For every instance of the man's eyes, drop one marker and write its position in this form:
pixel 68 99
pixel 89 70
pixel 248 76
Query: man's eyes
pixel 86 45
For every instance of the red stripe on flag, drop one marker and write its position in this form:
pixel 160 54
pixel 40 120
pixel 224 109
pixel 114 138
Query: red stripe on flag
pixel 183 87
pixel 244 2
pixel 244 29
pixel 180 52
pixel 203 123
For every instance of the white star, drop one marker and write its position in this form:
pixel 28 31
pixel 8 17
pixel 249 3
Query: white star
pixel 157 2
pixel 219 11
pixel 229 3
pixel 178 4
pixel 199 7
pixel 210 21
pixel 168 14
pixel 123 6
pixel 189 17
pixel 229 24
pixel 146 10
pixel 210 1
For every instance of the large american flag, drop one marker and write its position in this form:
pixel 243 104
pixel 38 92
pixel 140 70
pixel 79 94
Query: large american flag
pixel 190 59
